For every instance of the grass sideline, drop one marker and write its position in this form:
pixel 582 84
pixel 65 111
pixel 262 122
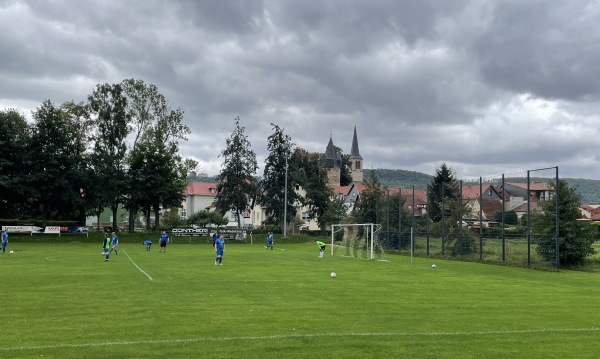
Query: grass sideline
pixel 61 300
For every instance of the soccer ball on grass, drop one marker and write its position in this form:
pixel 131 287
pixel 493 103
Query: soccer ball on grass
pixel 433 266
pixel 11 252
pixel 333 275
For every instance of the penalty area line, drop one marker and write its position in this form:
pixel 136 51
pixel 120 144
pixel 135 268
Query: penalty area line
pixel 138 267
pixel 300 336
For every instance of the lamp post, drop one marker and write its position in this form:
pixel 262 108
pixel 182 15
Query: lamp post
pixel 285 199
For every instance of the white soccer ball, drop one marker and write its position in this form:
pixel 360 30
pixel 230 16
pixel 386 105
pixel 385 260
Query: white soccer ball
pixel 11 252
pixel 433 266
pixel 333 275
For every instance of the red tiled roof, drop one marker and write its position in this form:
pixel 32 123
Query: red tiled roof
pixel 535 186
pixel 359 186
pixel 472 191
pixel 491 206
pixel 201 189
pixel 523 207
pixel 420 195
pixel 342 190
pixel 595 214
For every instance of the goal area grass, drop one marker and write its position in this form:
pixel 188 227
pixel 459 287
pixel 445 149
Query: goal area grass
pixel 63 300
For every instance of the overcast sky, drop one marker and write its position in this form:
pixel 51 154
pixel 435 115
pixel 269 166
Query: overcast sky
pixel 488 87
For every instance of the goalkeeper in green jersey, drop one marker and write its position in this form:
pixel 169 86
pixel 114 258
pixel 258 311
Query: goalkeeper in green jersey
pixel 106 246
pixel 321 246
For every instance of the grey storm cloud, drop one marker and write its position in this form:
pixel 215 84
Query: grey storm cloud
pixel 488 87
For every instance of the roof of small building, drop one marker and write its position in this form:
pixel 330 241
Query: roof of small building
pixel 201 189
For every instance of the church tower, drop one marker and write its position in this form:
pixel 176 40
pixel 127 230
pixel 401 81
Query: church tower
pixel 356 160
pixel 332 162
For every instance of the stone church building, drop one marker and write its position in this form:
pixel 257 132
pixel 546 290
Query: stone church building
pixel 332 160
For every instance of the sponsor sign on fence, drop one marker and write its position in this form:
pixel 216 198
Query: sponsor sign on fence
pixel 17 229
pixel 230 234
pixel 45 230
pixel 189 232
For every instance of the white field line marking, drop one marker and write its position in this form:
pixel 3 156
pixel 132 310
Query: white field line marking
pixel 300 336
pixel 138 267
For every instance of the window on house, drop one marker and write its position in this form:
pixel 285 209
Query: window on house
pixel 357 165
pixel 297 187
pixel 304 215
pixel 489 192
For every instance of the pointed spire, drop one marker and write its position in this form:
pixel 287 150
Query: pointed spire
pixel 354 153
pixel 330 150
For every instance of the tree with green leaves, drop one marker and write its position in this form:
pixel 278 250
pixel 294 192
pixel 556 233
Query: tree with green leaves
pixel 576 238
pixel 154 160
pixel 369 206
pixel 335 212
pixel 171 218
pixel 236 183
pixel 272 192
pixel 307 170
pixel 510 217
pixel 108 106
pixel 205 218
pixel 57 146
pixel 14 139
pixel 444 182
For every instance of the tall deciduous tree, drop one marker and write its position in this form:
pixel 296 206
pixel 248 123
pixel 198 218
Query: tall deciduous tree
pixel 370 205
pixel 14 137
pixel 576 237
pixel 108 106
pixel 57 174
pixel 236 182
pixel 307 170
pixel 273 184
pixel 154 155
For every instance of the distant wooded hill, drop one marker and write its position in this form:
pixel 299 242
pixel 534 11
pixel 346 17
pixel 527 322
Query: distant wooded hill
pixel 588 190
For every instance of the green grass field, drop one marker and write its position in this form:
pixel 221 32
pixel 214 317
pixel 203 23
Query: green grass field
pixel 62 300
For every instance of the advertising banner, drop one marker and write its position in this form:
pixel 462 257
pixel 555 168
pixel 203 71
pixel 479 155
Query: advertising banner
pixel 17 229
pixel 189 232
pixel 52 229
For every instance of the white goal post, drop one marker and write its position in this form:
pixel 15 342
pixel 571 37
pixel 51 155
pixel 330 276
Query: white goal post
pixel 358 237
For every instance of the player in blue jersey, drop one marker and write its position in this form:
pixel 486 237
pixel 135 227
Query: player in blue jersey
pixel 270 241
pixel 115 243
pixel 4 240
pixel 214 237
pixel 148 244
pixel 219 248
pixel 164 239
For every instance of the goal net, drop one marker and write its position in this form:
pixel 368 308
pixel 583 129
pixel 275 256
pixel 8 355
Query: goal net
pixel 358 241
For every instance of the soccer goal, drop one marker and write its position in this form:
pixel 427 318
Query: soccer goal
pixel 358 241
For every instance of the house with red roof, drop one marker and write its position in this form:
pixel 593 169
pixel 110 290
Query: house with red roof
pixel 517 193
pixel 418 197
pixel 200 196
pixel 486 198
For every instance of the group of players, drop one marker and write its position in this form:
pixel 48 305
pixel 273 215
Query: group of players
pixel 111 242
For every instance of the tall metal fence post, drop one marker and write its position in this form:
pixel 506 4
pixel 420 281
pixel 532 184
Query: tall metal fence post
pixel 443 224
pixel 528 221
pixel 481 218
pixel 503 223
pixel 460 217
pixel 557 222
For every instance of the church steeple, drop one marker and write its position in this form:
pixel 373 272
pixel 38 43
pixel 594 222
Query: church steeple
pixel 356 165
pixel 354 153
